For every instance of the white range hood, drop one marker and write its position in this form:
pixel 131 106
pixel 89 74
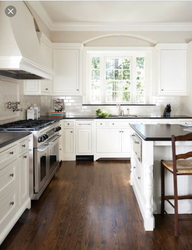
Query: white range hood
pixel 21 53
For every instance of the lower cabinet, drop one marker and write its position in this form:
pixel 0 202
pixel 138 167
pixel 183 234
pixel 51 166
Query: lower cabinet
pixel 112 139
pixel 68 140
pixel 84 137
pixel 14 184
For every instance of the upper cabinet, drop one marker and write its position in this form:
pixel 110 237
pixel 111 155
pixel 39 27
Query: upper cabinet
pixel 38 87
pixel 66 65
pixel 171 69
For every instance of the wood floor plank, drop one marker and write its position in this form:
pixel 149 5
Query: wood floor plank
pixel 91 206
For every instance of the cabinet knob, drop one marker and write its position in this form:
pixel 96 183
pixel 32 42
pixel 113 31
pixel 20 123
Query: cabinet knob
pixel 71 131
pixel 11 153
pixel 161 89
pixel 24 156
pixel 139 178
pixel 12 203
pixel 67 123
pixel 23 145
pixel 112 123
pixel 11 175
pixel 77 89
pixel 134 167
pixel 46 89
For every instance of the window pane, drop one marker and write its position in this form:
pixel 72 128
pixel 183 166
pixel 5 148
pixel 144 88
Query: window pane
pixel 126 86
pixel 140 61
pixel 126 96
pixel 95 75
pixel 118 64
pixel 110 74
pixel 118 74
pixel 110 63
pixel 95 63
pixel 113 96
pixel 126 74
pixel 126 64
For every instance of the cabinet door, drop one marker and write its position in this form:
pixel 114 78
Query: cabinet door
pixel 68 140
pixel 23 178
pixel 46 87
pixel 125 141
pixel 108 140
pixel 84 141
pixel 66 68
pixel 173 71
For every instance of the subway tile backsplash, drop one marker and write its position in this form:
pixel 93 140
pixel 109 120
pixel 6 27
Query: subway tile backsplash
pixel 13 91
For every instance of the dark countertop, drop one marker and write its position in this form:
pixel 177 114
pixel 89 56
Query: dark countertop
pixel 158 132
pixel 116 117
pixel 8 137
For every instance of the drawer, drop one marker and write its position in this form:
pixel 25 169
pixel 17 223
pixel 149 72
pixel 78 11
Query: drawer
pixel 8 155
pixel 69 124
pixel 102 124
pixel 23 146
pixel 8 178
pixel 84 123
pixel 8 208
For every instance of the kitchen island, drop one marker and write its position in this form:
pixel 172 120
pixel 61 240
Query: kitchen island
pixel 151 144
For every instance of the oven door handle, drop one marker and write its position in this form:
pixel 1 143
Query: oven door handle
pixel 43 149
pixel 55 139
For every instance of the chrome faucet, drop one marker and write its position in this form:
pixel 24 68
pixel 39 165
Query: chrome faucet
pixel 121 112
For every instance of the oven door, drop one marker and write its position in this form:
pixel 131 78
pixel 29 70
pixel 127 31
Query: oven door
pixel 41 166
pixel 53 153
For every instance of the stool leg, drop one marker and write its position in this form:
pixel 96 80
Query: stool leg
pixel 162 188
pixel 176 206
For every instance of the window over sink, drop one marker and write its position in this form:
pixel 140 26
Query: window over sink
pixel 117 77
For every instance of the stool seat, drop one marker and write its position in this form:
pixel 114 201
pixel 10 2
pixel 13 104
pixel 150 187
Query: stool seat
pixel 182 166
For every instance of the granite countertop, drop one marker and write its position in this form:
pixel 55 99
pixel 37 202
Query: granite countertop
pixel 8 137
pixel 116 117
pixel 158 132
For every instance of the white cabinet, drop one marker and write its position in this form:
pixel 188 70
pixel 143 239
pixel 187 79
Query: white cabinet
pixel 14 184
pixel 38 87
pixel 69 140
pixel 66 65
pixel 84 137
pixel 171 69
pixel 162 121
pixel 112 139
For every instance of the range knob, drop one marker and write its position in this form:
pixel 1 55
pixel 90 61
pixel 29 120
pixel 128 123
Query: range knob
pixel 40 139
pixel 57 129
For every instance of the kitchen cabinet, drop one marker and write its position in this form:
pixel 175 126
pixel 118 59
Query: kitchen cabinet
pixel 112 139
pixel 14 184
pixel 66 65
pixel 69 140
pixel 38 87
pixel 171 69
pixel 84 137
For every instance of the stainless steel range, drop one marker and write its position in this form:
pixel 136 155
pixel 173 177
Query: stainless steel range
pixel 43 151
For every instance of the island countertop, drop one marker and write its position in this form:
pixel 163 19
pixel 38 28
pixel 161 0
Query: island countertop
pixel 158 132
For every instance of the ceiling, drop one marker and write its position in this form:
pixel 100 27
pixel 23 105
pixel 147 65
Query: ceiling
pixel 60 15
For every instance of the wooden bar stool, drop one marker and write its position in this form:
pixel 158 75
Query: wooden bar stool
pixel 179 165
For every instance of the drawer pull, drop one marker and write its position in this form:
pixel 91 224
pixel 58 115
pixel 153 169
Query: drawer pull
pixel 24 156
pixel 11 175
pixel 11 153
pixel 46 89
pixel 139 178
pixel 87 124
pixel 68 124
pixel 12 203
pixel 71 131
pixel 23 145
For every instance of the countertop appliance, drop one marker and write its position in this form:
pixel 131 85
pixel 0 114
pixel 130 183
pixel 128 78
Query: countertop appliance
pixel 43 151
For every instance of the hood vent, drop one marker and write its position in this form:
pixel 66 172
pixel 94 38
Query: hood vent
pixel 22 55
pixel 19 74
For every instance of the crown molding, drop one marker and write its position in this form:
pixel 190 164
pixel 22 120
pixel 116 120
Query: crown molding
pixel 95 26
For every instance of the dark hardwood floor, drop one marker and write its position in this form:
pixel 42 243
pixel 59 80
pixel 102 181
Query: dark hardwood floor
pixel 90 205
